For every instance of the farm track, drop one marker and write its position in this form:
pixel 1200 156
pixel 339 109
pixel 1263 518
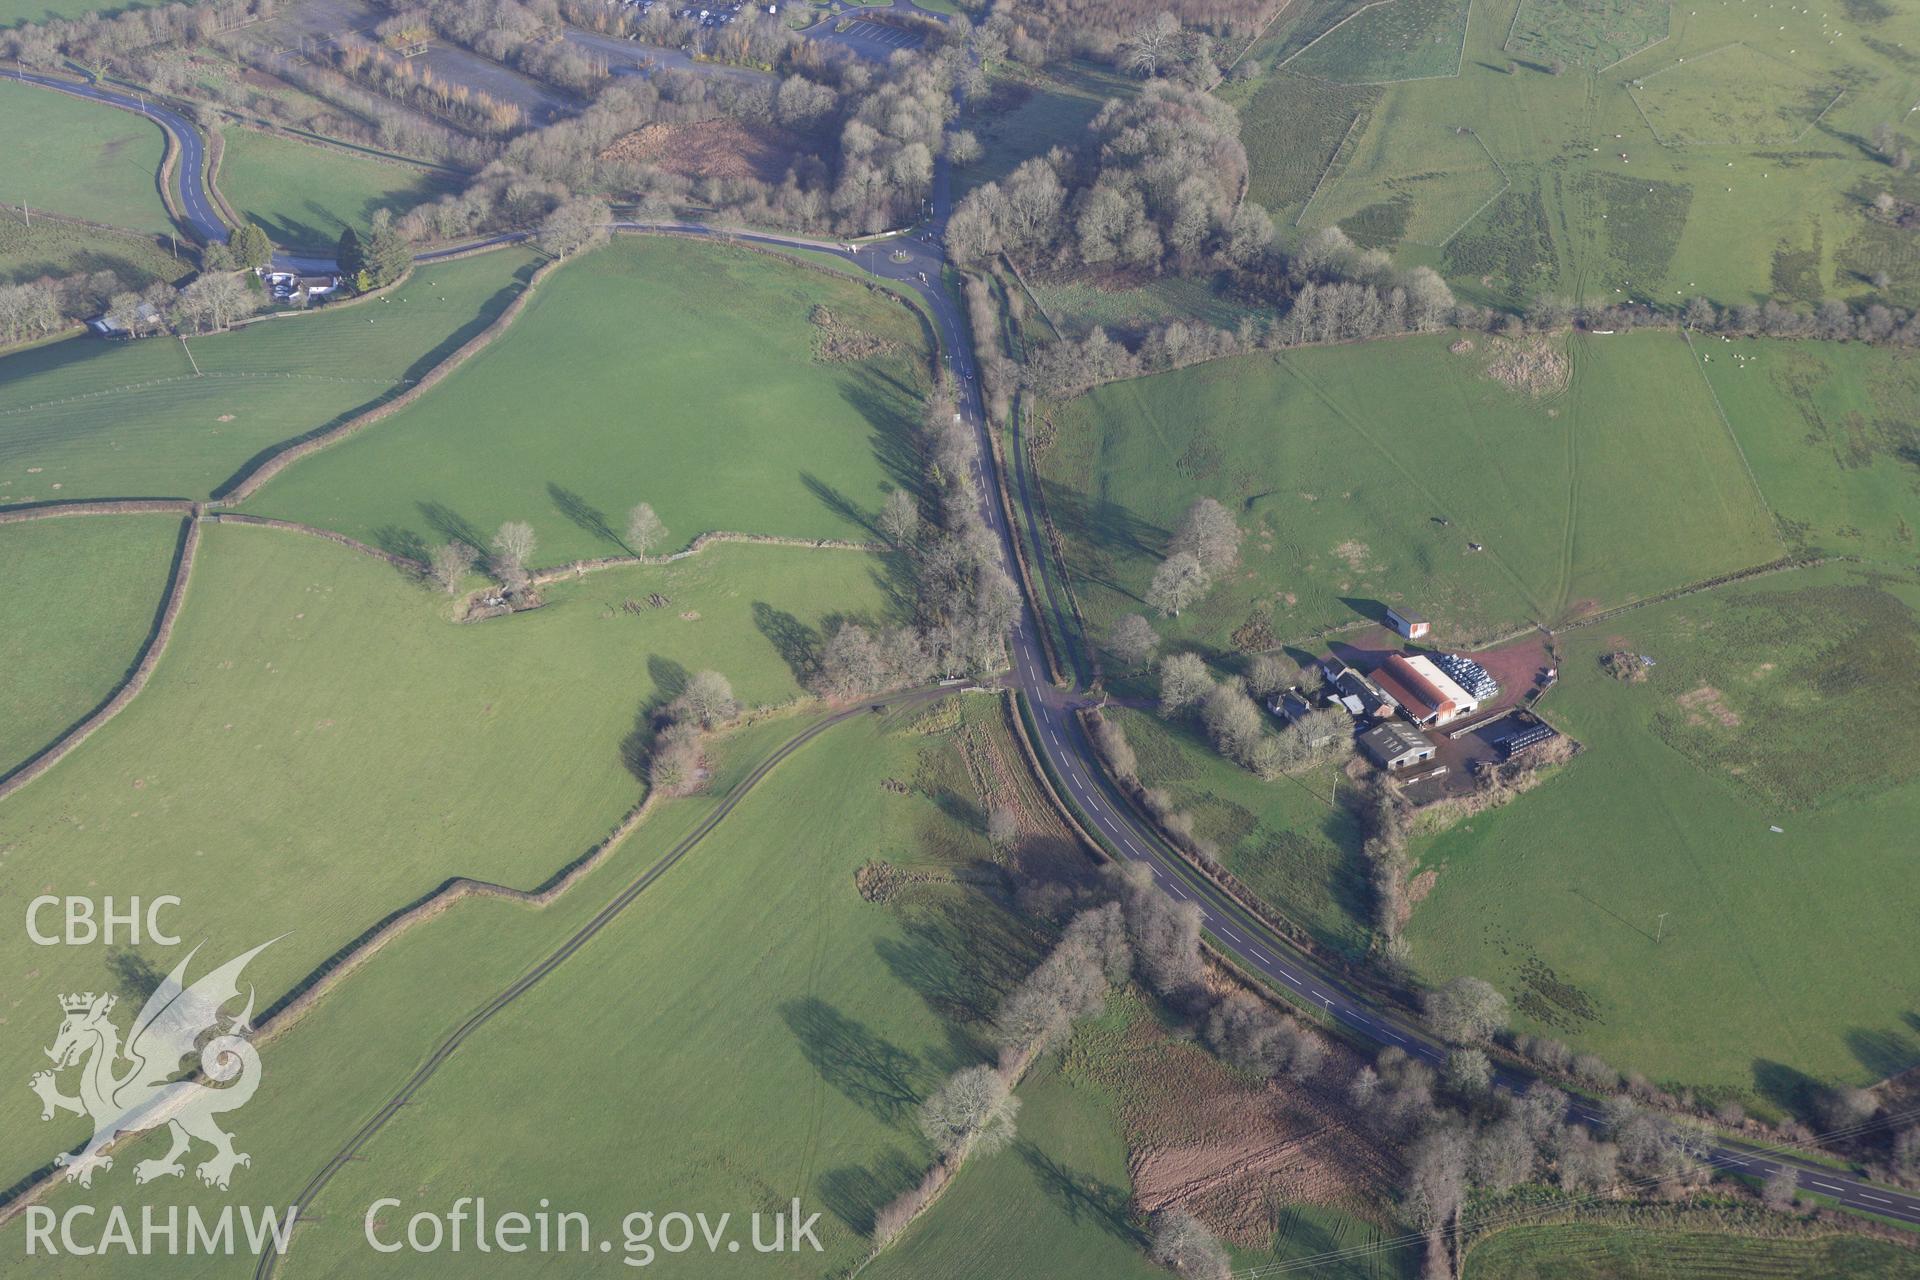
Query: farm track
pixel 1065 749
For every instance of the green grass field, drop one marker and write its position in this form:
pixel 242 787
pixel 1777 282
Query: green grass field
pixel 1735 96
pixel 1027 112
pixel 325 1075
pixel 1406 178
pixel 82 158
pixel 82 595
pixel 1055 1203
pixel 304 195
pixel 132 419
pixel 1591 1251
pixel 1829 430
pixel 1755 716
pixel 13 13
pixel 754 973
pixel 1735 223
pixel 56 249
pixel 1338 461
pixel 1292 126
pixel 1283 838
pixel 1589 33
pixel 1394 40
pixel 1077 306
pixel 318 724
pixel 609 390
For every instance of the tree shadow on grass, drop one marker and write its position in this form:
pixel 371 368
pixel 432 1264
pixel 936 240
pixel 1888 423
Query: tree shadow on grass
pixel 451 525
pixel 585 515
pixel 398 541
pixel 855 1193
pixel 891 408
pixel 1099 534
pixel 669 678
pixel 838 503
pixel 636 749
pixel 1786 1087
pixel 960 954
pixel 1884 1053
pixel 797 643
pixel 133 974
pixel 1084 1197
pixel 872 1072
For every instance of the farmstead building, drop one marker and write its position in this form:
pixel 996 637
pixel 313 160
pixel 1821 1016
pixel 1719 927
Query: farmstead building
pixel 1394 746
pixel 1425 693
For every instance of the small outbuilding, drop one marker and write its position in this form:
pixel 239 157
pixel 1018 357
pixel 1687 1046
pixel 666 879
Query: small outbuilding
pixel 1408 623
pixel 1395 746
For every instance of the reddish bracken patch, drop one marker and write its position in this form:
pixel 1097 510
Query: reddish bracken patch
pixel 710 149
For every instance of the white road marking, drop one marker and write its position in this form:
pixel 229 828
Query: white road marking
pixel 1875 1199
pixel 1388 1031
pixel 1260 955
pixel 1228 933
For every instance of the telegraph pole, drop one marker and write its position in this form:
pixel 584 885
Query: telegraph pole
pixel 1660 929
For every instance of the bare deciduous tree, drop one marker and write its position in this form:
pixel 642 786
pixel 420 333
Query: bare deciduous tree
pixel 707 701
pixel 1153 46
pixel 1233 721
pixel 1437 1176
pixel 1133 641
pixel 645 530
pixel 1781 1188
pixel 450 564
pixel 1184 680
pixel 1183 1245
pixel 1208 532
pixel 1468 1073
pixel 899 518
pixel 673 768
pixel 1466 1009
pixel 1177 583
pixel 512 547
pixel 974 1110
pixel 1269 673
pixel 577 224
pixel 1165 934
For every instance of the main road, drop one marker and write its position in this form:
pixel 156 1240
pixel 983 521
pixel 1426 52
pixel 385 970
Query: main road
pixel 915 260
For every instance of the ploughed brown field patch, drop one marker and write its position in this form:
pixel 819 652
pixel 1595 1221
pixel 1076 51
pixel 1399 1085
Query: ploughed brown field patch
pixel 1221 1145
pixel 709 149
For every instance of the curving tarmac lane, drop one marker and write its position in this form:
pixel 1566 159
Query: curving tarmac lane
pixel 188 175
pixel 1067 751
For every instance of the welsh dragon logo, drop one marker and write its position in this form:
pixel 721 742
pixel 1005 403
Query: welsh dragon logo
pixel 134 1087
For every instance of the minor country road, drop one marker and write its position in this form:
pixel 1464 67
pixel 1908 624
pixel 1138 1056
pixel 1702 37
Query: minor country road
pixel 1060 739
pixel 189 174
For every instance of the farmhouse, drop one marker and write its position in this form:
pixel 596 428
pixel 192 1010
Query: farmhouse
pixel 1408 623
pixel 107 326
pixel 1423 691
pixel 1360 696
pixel 1394 746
